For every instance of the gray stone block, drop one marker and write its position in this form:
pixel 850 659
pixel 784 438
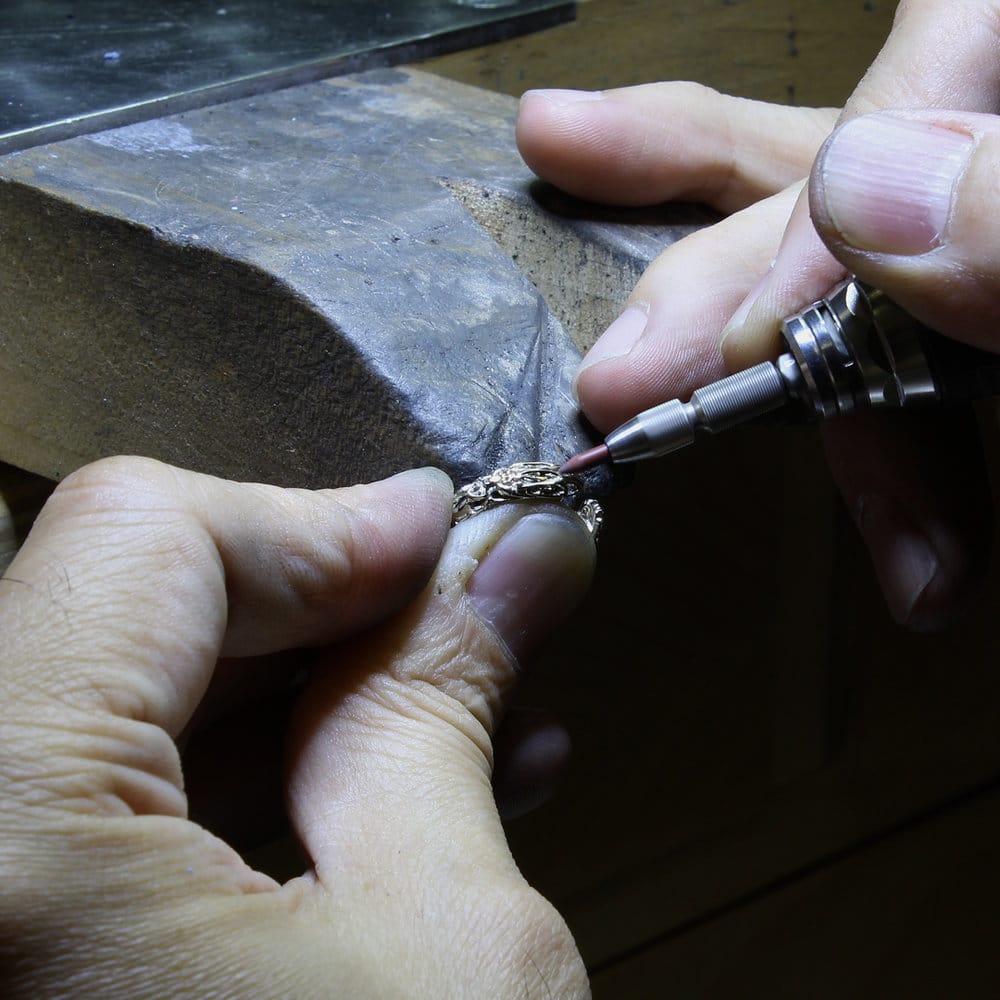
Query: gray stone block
pixel 322 285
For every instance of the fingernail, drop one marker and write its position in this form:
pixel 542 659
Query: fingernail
pixel 886 183
pixel 565 98
pixel 905 561
pixel 619 338
pixel 532 578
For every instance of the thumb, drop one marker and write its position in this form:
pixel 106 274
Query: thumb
pixel 907 201
pixel 390 782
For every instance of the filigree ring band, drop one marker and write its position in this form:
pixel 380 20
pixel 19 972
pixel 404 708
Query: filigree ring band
pixel 524 482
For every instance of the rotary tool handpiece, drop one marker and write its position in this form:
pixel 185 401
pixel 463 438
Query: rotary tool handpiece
pixel 854 350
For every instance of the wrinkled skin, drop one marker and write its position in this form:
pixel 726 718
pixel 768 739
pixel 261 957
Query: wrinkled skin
pixel 149 606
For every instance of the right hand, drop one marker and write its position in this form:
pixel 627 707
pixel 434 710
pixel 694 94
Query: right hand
pixel 915 484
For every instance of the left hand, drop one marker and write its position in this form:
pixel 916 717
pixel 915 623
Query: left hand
pixel 916 486
pixel 136 579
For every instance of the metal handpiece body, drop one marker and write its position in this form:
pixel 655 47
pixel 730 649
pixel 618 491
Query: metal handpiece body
pixel 854 350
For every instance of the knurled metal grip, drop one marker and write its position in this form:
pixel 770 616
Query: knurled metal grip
pixel 733 400
pixel 738 398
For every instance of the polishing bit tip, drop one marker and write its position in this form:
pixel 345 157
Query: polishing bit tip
pixel 586 459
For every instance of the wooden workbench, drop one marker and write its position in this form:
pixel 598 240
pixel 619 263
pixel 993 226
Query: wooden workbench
pixel 806 52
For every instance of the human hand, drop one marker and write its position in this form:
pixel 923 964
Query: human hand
pixel 149 602
pixel 916 485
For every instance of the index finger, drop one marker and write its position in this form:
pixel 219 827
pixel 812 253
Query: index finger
pixel 137 576
pixel 670 141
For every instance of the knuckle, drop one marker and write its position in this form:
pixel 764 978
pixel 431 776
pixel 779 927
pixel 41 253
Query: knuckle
pixel 690 92
pixel 119 528
pixel 321 571
pixel 325 546
pixel 111 482
pixel 114 469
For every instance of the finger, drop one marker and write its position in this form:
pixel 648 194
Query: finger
pixel 668 141
pixel 531 752
pixel 937 56
pixel 394 758
pixel 907 200
pixel 446 663
pixel 666 342
pixel 135 578
pixel 917 488
pixel 802 271
pixel 904 200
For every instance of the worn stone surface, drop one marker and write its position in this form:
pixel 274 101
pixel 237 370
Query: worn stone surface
pixel 306 288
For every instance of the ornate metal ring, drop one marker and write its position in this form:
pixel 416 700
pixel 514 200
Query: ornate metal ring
pixel 525 482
